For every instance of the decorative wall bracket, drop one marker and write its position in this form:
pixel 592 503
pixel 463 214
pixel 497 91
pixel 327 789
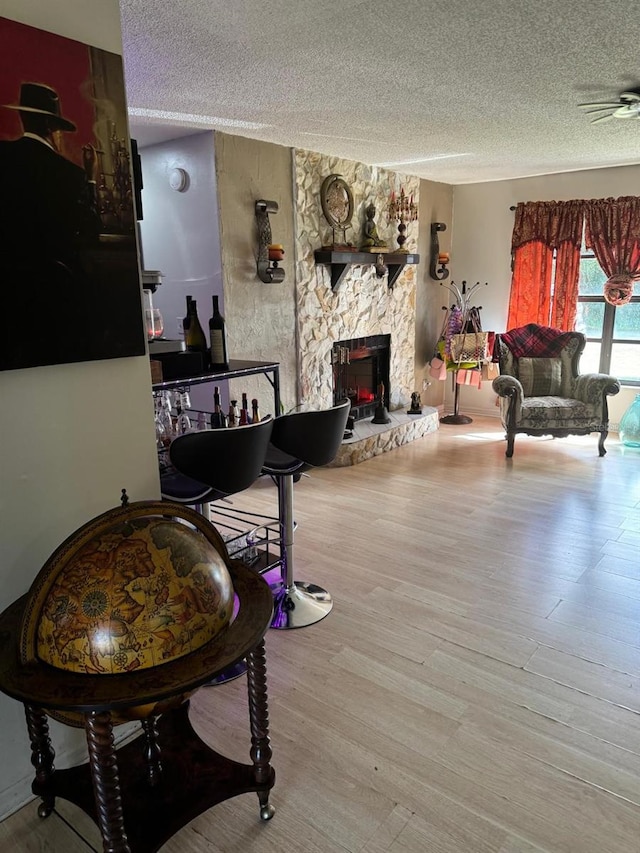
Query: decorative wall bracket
pixel 268 270
pixel 438 260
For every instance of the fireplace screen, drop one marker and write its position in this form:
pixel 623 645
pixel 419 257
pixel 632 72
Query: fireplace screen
pixel 361 373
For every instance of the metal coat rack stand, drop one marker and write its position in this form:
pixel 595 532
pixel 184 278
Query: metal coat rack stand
pixel 463 302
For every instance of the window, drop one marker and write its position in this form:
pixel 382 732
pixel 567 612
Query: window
pixel 613 333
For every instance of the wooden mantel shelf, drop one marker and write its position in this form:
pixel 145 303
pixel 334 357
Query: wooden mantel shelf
pixel 341 261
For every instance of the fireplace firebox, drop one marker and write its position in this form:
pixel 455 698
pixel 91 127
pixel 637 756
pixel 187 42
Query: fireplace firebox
pixel 360 371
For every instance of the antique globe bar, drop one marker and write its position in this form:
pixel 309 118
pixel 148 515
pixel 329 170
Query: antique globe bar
pixel 127 618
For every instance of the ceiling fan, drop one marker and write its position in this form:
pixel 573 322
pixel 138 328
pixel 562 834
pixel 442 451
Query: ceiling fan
pixel 627 106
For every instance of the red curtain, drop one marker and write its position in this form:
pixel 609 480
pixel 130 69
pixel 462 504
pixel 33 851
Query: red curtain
pixel 565 296
pixel 612 231
pixel 539 229
pixel 530 285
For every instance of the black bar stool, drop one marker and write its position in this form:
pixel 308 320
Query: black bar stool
pixel 213 464
pixel 299 441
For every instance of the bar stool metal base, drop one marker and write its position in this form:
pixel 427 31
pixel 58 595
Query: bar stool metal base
pixel 299 605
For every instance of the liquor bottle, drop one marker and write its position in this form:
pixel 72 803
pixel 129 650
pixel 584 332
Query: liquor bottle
pixel 218 359
pixel 217 418
pixel 244 411
pixel 194 335
pixel 187 318
pixel 255 414
pixel 232 413
pixel 183 423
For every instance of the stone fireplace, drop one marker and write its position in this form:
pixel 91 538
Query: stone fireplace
pixel 362 305
pixel 361 308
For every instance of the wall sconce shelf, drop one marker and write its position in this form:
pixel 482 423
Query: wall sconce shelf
pixel 439 260
pixel 269 254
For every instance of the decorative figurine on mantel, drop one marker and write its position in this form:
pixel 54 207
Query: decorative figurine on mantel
pixel 416 404
pixel 371 242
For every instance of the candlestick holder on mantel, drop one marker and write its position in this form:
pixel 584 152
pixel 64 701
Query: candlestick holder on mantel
pixel 403 209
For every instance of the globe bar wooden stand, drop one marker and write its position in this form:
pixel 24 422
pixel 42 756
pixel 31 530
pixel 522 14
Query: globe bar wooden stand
pixel 144 792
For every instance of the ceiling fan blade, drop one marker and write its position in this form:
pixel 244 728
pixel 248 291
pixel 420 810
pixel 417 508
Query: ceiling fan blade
pixel 602 118
pixel 602 104
pixel 602 109
pixel 630 111
pixel 634 97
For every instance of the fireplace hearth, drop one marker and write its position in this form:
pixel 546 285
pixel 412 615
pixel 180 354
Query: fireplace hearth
pixel 360 372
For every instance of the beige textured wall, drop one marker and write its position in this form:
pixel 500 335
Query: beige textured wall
pixel 260 317
pixel 436 205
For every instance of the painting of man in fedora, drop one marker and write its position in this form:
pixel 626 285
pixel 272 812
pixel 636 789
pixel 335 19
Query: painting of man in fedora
pixel 52 210
pixel 68 291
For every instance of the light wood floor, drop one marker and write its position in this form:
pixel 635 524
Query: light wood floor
pixel 476 688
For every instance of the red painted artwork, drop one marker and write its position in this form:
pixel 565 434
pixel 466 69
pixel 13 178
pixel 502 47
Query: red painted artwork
pixel 70 287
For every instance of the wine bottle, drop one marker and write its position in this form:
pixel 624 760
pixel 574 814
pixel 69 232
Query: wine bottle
pixel 232 413
pixel 244 411
pixel 187 318
pixel 255 414
pixel 217 418
pixel 218 359
pixel 194 334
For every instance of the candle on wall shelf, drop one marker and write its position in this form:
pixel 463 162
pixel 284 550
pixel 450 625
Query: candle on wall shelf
pixel 276 252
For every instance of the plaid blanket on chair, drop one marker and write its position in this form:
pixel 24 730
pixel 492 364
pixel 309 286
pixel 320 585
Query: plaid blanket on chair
pixel 535 341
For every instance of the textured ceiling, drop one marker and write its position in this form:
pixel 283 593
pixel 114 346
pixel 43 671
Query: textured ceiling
pixel 477 90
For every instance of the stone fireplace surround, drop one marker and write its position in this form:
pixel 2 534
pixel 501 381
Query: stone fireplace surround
pixel 362 305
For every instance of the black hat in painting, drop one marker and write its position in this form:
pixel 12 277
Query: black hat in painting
pixel 41 99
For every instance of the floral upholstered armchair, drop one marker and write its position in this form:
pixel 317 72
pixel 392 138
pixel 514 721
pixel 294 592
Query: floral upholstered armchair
pixel 541 391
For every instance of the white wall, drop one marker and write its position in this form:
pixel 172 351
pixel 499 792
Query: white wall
pixel 72 436
pixel 180 234
pixel 482 226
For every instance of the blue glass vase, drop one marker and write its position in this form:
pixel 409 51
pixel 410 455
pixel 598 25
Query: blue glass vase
pixel 629 430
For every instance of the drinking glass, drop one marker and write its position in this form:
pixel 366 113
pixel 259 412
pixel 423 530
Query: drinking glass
pixel 158 323
pixel 148 322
